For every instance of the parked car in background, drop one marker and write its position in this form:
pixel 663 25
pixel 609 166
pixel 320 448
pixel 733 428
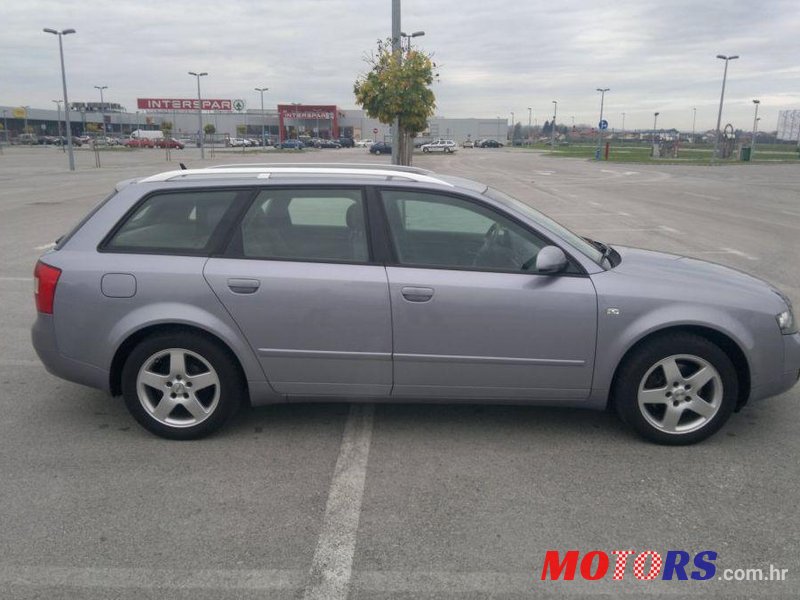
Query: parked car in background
pixel 380 148
pixel 364 143
pixel 468 144
pixel 491 144
pixel 327 144
pixel 139 143
pixel 445 146
pixel 292 145
pixel 169 143
pixel 238 142
pixel 346 142
pixel 60 141
pixel 193 292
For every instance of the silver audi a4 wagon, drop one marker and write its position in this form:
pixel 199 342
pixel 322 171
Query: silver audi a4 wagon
pixel 192 292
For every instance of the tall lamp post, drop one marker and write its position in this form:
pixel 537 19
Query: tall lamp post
pixel 5 123
pixel 623 126
pixel 653 137
pixel 200 113
pixel 511 133
pixel 60 35
pixel 58 104
pixel 755 130
pixel 530 118
pixel 721 99
pixel 261 90
pixel 600 123
pixel 102 105
pixel 553 126
pixel 694 121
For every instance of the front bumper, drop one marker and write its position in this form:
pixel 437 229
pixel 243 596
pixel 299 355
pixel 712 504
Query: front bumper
pixel 790 372
pixel 43 336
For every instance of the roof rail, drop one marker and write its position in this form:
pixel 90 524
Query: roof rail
pixel 264 172
pixel 370 166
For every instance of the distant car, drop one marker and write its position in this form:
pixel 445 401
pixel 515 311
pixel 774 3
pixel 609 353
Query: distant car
pixel 468 144
pixel 139 143
pixel 60 141
pixel 364 143
pixel 491 144
pixel 327 144
pixel 238 142
pixel 346 142
pixel 380 148
pixel 170 143
pixel 445 146
pixel 292 145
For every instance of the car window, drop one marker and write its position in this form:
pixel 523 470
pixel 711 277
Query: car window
pixel 444 231
pixel 182 221
pixel 306 225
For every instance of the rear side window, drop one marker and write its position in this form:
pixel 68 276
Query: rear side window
pixel 313 225
pixel 178 221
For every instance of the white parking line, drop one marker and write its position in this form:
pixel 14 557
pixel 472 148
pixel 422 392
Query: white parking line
pixel 45 246
pixel 331 569
pixel 740 253
pixel 16 278
pixel 706 196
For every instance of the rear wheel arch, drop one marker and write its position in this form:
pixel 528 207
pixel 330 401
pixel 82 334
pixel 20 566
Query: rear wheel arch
pixel 727 344
pixel 127 346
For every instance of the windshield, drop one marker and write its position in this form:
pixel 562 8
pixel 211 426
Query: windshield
pixel 547 223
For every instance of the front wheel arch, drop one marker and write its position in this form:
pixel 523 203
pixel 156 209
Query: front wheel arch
pixel 124 350
pixel 723 341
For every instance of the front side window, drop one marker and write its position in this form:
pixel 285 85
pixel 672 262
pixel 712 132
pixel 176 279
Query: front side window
pixel 176 221
pixel 444 231
pixel 314 224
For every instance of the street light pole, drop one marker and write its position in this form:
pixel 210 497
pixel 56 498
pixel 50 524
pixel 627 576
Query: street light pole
pixel 409 36
pixel 58 104
pixel 721 99
pixel 755 130
pixel 553 126
pixel 530 118
pixel 60 35
pixel 623 125
pixel 511 134
pixel 200 113
pixel 397 51
pixel 600 123
pixel 653 137
pixel 694 120
pixel 261 90
pixel 102 105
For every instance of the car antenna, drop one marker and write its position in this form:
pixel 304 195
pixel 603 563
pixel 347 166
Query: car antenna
pixel 183 166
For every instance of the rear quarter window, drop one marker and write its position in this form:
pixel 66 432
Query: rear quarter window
pixel 177 221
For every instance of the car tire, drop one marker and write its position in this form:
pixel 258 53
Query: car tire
pixel 677 389
pixel 197 378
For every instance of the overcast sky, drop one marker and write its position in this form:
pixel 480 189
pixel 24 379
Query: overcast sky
pixel 495 56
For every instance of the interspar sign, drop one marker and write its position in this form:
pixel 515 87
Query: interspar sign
pixel 183 104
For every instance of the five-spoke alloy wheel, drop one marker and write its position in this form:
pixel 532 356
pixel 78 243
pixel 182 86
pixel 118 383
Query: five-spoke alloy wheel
pixel 181 386
pixel 676 389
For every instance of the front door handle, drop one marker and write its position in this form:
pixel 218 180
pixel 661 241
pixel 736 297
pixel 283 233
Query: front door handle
pixel 243 286
pixel 417 294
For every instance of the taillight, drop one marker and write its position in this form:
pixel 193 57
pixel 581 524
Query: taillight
pixel 45 279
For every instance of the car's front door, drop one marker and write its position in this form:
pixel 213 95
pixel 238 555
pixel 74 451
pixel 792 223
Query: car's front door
pixel 470 318
pixel 301 286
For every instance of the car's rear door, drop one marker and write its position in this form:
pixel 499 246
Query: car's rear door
pixel 299 280
pixel 468 321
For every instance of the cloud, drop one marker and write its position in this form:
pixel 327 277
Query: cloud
pixel 494 57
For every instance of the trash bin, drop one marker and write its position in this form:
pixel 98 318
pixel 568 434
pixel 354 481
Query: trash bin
pixel 745 155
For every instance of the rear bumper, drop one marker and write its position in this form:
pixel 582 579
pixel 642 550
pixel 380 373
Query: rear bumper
pixel 44 342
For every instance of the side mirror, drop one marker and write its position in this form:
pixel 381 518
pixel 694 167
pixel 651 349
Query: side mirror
pixel 551 260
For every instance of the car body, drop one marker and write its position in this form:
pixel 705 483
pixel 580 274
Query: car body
pixel 190 291
pixel 380 148
pixel 346 142
pixel 169 143
pixel 491 144
pixel 444 146
pixel 468 144
pixel 238 142
pixel 291 145
pixel 364 143
pixel 327 144
pixel 139 143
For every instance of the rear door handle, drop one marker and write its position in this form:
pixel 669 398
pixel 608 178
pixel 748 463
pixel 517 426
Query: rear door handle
pixel 243 286
pixel 417 294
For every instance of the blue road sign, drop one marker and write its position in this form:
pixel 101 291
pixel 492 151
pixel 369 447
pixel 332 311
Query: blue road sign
pixel 603 124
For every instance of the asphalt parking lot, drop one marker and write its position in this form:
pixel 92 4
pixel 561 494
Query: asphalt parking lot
pixel 393 501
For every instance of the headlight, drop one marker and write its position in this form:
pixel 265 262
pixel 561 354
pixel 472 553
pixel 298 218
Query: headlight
pixel 786 322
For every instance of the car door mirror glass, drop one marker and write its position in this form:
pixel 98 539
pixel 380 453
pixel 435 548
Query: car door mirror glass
pixel 550 260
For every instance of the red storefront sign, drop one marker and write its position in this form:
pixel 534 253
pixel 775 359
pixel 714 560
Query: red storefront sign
pixel 183 104
pixel 308 112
